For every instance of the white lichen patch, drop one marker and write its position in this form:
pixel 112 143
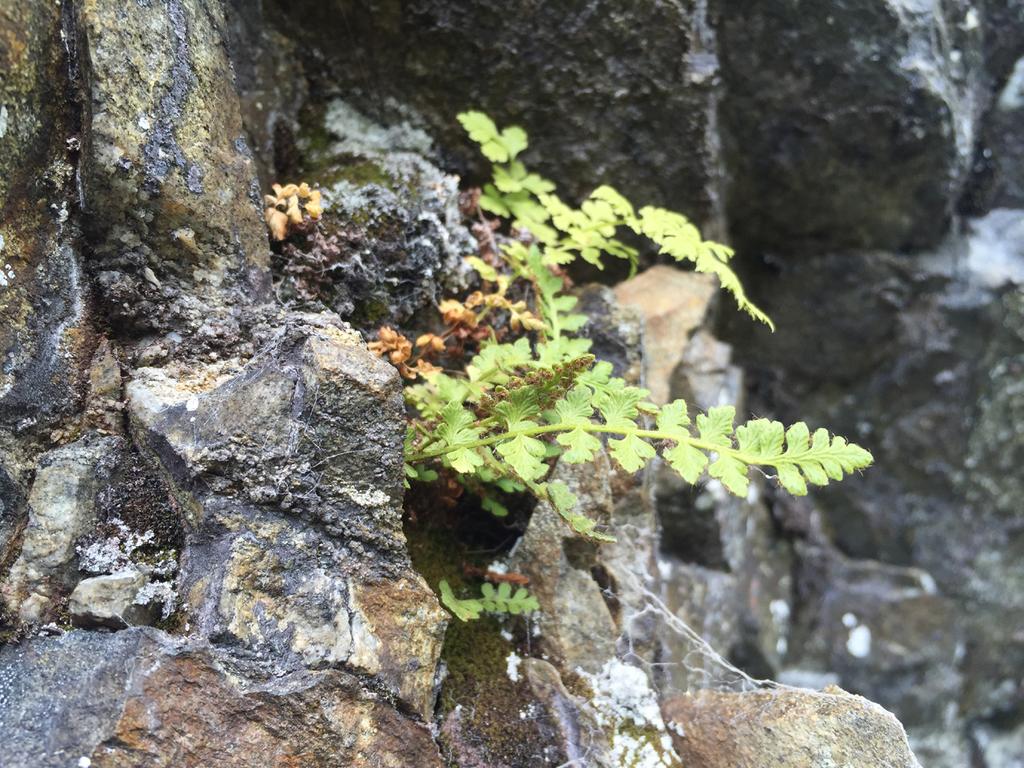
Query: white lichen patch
pixel 161 593
pixel 1012 96
pixel 360 135
pixel 512 663
pixel 370 497
pixel 626 707
pixel 858 644
pixel 6 270
pixel 113 553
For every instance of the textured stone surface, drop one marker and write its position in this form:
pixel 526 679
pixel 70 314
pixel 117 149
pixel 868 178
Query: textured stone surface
pixel 392 237
pixel 141 698
pixel 110 600
pixel 62 509
pixel 792 728
pixel 919 359
pixel 271 442
pixel 167 177
pixel 847 124
pixel 674 304
pixel 311 425
pixel 292 467
pixel 884 630
pixel 45 341
pixel 580 77
pixel 577 626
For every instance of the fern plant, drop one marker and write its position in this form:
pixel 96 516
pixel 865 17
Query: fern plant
pixel 520 404
pixel 491 600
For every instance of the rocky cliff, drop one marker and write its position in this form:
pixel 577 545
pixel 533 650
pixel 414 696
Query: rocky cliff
pixel 206 553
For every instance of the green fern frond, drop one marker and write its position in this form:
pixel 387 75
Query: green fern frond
pixel 589 232
pixel 492 600
pixel 579 419
pixel 523 404
pixel 498 147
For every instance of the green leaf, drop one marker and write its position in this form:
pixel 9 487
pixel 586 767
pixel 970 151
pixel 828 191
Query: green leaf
pixel 688 461
pixel 632 452
pixel 479 126
pixel 560 496
pixel 732 473
pixel 514 140
pixel 496 147
pixel 580 446
pixel 492 201
pixel 575 407
pixel 485 270
pixel 761 437
pixel 715 426
pixel 464 460
pixel 502 600
pixel 463 610
pixel 493 506
pixel 673 417
pixel 524 454
pixel 791 479
pixel 618 403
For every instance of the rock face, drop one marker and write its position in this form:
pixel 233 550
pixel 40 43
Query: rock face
pixel 170 185
pixel 62 509
pixel 801 729
pixel 392 239
pixel 192 436
pixel 645 72
pixel 248 498
pixel 291 466
pixel 931 380
pixel 45 341
pixel 127 699
pixel 866 120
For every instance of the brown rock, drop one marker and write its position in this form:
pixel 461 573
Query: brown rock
pixel 140 699
pixel 186 712
pixel 787 728
pixel 674 304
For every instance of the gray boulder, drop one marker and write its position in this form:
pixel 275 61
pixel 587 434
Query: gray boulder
pixel 848 124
